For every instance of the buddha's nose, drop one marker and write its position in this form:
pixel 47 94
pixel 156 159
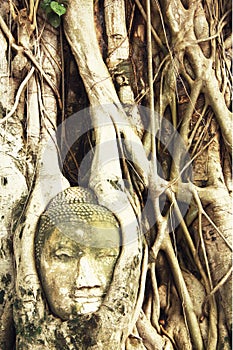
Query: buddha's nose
pixel 87 276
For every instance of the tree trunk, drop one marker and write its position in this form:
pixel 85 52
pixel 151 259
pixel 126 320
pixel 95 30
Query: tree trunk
pixel 131 99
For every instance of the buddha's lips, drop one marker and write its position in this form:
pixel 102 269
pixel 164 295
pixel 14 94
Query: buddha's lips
pixel 88 297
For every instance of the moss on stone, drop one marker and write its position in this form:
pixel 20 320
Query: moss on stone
pixel 2 294
pixel 6 279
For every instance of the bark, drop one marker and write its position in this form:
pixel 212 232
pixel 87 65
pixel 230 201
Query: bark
pixel 171 287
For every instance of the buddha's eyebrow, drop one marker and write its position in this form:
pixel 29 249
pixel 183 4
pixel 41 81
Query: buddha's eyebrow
pixel 66 244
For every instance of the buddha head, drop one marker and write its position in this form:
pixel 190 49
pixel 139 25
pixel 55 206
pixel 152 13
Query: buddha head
pixel 76 247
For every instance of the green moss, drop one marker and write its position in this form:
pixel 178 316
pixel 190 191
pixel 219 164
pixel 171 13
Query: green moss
pixel 226 340
pixel 60 343
pixel 17 304
pixel 2 294
pixel 22 291
pixel 31 331
pixel 84 329
pixel 6 279
pixel 19 327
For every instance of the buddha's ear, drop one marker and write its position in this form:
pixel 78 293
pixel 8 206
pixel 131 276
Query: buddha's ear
pixel 44 229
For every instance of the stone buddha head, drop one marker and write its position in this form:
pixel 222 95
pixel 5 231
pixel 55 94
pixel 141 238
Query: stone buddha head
pixel 76 247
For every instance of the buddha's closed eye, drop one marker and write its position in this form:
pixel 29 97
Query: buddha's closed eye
pixel 67 254
pixel 103 253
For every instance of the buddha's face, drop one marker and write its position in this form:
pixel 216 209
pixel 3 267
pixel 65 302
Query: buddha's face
pixel 76 272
